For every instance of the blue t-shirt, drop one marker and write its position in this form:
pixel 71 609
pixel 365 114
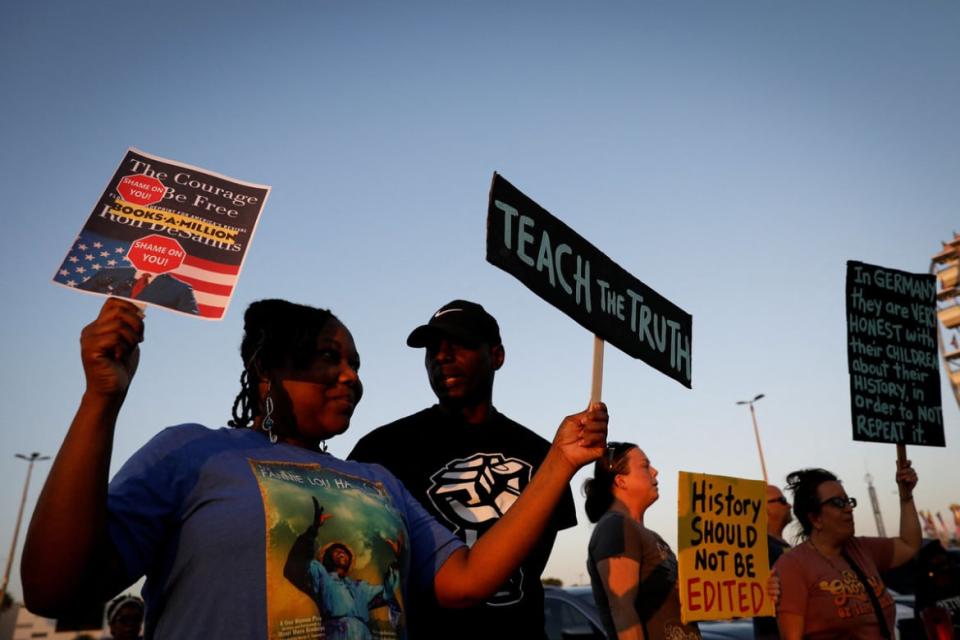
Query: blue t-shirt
pixel 213 517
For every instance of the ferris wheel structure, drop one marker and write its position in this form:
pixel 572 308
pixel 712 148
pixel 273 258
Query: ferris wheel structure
pixel 945 265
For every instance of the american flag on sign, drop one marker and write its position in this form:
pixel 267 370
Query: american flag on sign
pixel 89 254
pixel 211 282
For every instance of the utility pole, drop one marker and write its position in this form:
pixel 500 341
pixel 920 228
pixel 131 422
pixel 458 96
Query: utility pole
pixel 756 434
pixel 877 516
pixel 33 457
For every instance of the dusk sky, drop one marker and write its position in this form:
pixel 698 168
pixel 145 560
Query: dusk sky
pixel 731 155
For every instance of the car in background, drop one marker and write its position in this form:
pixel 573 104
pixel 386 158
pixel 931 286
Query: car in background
pixel 571 614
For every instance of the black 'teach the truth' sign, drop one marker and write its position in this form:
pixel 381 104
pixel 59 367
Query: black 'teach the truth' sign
pixel 561 267
pixel 892 356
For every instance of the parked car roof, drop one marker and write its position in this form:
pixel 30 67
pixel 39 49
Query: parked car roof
pixel 580 600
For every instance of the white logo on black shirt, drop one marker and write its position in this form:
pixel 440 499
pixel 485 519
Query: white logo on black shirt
pixel 472 493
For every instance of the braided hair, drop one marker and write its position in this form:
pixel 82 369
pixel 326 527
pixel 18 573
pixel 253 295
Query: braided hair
pixel 274 332
pixel 803 485
pixel 598 490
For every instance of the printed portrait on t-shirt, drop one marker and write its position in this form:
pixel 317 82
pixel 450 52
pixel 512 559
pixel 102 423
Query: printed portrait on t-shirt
pixel 336 553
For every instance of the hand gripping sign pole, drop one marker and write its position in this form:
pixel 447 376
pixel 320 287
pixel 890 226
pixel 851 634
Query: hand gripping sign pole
pixel 564 269
pixel 901 463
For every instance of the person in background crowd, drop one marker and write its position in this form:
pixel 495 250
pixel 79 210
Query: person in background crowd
pixel 188 509
pixel 937 601
pixel 778 517
pixel 831 582
pixel 469 467
pixel 125 617
pixel 632 570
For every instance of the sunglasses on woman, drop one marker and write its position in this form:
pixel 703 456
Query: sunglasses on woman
pixel 611 453
pixel 615 453
pixel 840 502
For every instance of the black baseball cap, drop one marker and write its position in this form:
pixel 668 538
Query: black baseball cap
pixel 460 319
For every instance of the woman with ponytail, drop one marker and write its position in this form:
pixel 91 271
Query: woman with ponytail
pixel 632 570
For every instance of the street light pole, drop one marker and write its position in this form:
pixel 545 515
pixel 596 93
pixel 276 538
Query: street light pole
pixel 33 457
pixel 756 433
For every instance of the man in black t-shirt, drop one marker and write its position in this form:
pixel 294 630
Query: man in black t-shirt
pixel 467 464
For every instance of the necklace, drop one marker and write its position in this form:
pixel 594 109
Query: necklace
pixel 824 556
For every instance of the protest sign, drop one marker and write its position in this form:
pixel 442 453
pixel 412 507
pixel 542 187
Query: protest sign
pixel 166 234
pixel 722 540
pixel 892 356
pixel 561 267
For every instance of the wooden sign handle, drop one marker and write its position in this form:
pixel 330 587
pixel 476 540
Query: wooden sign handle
pixel 901 460
pixel 901 453
pixel 596 384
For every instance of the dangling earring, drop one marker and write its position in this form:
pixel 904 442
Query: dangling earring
pixel 323 446
pixel 267 416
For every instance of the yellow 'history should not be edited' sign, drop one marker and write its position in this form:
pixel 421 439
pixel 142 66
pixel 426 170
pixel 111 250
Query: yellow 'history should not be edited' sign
pixel 722 539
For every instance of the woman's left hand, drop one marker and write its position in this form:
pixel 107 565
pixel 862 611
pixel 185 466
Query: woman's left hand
pixel 906 478
pixel 773 588
pixel 582 437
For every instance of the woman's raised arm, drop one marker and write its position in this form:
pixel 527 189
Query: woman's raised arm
pixel 906 545
pixel 67 554
pixel 471 575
